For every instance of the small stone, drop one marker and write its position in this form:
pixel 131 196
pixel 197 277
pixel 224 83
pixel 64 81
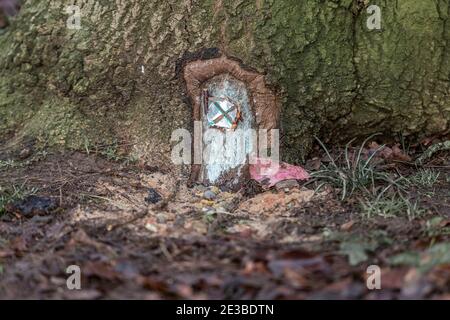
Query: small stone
pixel 151 227
pixel 161 218
pixel 208 210
pixel 215 189
pixel 209 195
pixel 200 188
pixel 287 185
pixel 25 153
pixel 221 210
pixel 153 196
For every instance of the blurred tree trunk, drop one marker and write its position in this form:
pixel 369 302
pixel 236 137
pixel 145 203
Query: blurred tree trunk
pixel 116 78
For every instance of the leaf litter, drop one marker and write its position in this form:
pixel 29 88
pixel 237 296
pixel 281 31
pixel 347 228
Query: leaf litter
pixel 289 242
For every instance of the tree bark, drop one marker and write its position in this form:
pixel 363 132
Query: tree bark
pixel 119 78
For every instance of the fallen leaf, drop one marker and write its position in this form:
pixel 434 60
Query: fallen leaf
pixel 6 253
pixel 393 278
pixel 416 286
pixel 18 244
pixel 387 153
pixel 348 225
pixel 444 223
pixel 296 260
pixel 152 283
pixel 85 294
pixel 101 270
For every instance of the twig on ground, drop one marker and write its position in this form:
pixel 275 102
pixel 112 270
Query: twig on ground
pixel 443 146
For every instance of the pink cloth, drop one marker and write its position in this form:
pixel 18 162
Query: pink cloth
pixel 270 172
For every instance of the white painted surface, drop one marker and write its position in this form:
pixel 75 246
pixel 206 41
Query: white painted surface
pixel 228 149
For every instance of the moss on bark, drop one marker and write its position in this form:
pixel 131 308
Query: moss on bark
pixel 336 78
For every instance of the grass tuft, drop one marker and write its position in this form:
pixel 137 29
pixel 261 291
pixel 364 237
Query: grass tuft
pixel 110 152
pixel 8 164
pixel 354 173
pixel 380 194
pixel 390 207
pixel 424 178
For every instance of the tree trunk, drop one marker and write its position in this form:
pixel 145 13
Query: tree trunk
pixel 119 77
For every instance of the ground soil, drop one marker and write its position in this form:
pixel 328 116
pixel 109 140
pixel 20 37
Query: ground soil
pixel 287 244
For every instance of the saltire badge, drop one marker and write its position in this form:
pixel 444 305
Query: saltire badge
pixel 221 112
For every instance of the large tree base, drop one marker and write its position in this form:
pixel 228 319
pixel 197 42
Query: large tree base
pixel 115 80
